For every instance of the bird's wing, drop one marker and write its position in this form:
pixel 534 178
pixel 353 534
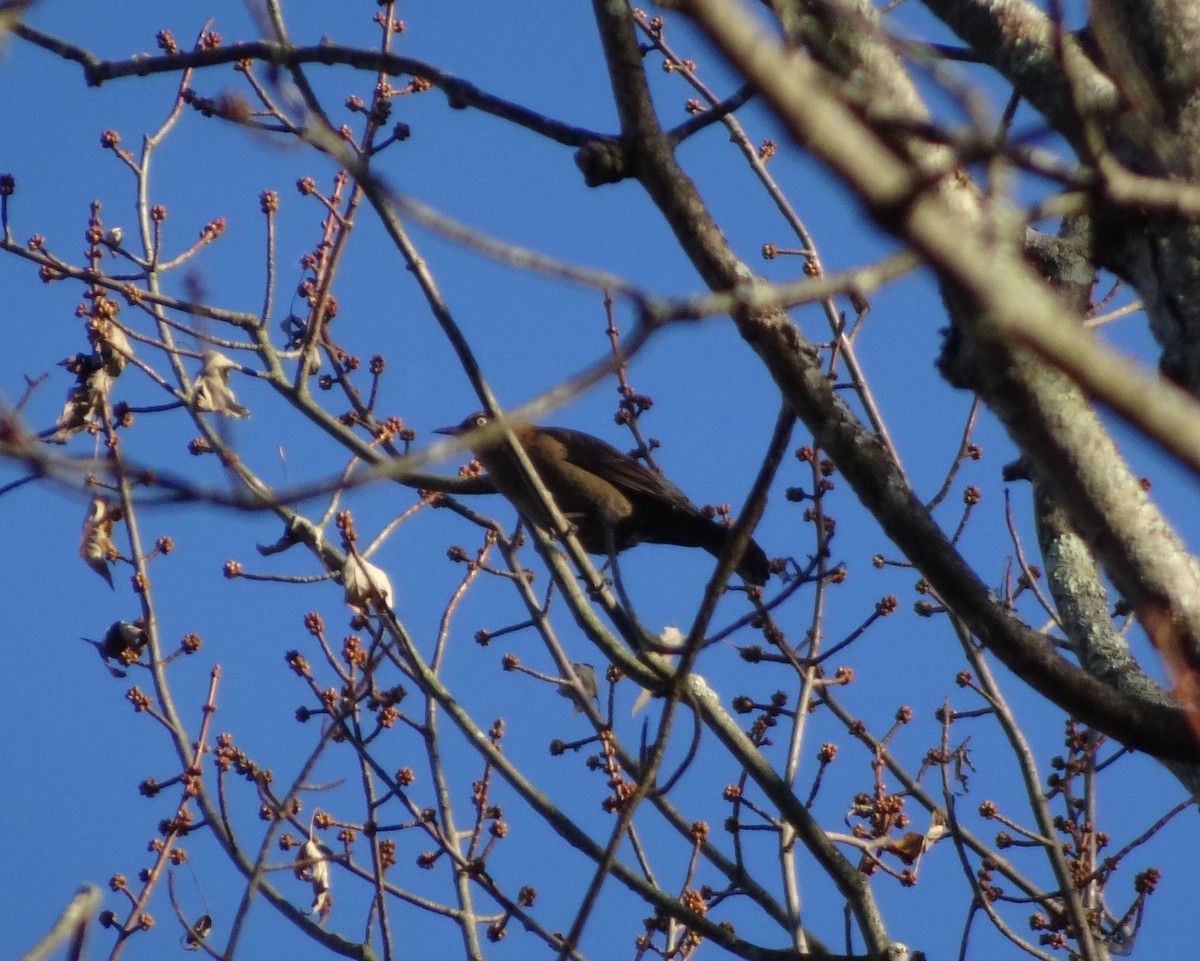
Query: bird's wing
pixel 599 457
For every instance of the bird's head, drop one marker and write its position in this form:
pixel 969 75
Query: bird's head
pixel 485 432
pixel 475 421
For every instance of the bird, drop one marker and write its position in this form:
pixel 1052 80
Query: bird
pixel 612 501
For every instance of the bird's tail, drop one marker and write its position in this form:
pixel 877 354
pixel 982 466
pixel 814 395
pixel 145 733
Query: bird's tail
pixel 699 531
pixel 754 567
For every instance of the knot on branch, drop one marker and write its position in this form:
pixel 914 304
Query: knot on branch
pixel 604 162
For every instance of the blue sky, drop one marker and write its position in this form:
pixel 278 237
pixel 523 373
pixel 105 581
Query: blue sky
pixel 72 747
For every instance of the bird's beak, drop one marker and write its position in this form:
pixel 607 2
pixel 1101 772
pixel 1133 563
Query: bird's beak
pixel 448 431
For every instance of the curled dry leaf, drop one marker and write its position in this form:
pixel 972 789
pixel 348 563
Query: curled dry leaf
pixel 96 546
pixel 212 391
pixel 913 846
pixel 312 866
pixel 671 637
pixel 95 374
pixel 112 345
pixel 367 586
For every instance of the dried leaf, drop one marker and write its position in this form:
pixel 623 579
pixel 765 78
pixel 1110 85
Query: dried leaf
pixel 212 391
pixel 96 546
pixel 95 374
pixel 86 400
pixel 908 848
pixel 112 345
pixel 671 638
pixel 312 866
pixel 367 586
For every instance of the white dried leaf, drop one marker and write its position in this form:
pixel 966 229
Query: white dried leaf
pixel 312 866
pixel 367 586
pixel 212 391
pixel 672 638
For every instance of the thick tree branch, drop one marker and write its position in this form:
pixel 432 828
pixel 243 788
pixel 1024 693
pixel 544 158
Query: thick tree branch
pixel 976 258
pixel 1145 119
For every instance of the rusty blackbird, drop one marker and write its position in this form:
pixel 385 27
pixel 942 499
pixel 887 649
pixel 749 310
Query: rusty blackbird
pixel 602 492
